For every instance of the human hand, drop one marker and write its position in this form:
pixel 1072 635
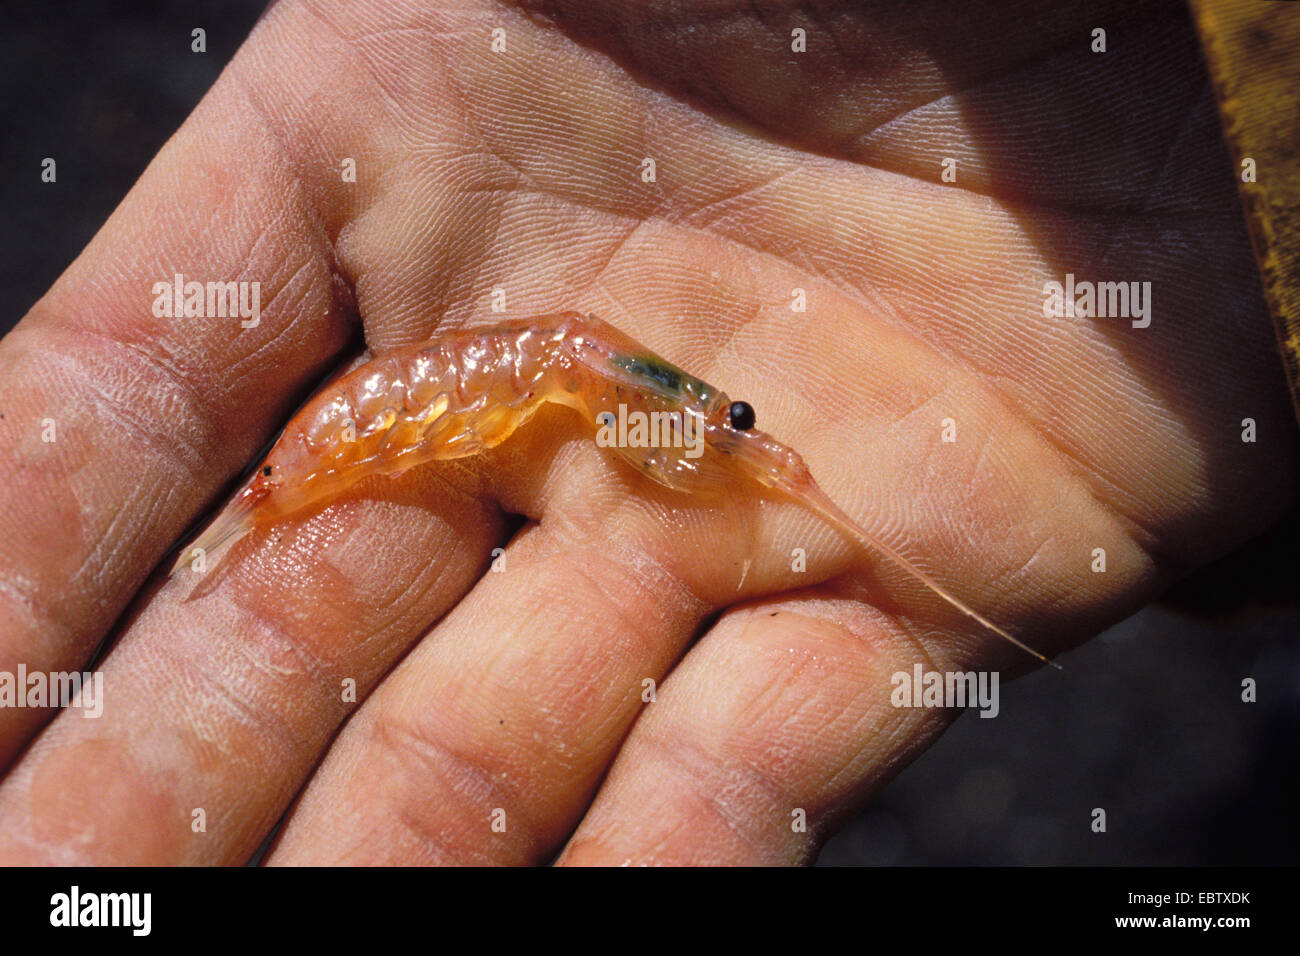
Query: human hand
pixel 516 698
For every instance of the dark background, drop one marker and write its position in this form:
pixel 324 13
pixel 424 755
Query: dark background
pixel 1146 721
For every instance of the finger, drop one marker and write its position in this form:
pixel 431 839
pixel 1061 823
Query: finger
pixel 215 709
pixel 775 727
pixel 487 741
pixel 120 422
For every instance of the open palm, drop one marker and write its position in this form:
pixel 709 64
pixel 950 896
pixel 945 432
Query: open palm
pixel 639 674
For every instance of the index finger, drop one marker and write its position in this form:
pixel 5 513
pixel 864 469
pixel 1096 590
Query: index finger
pixel 156 366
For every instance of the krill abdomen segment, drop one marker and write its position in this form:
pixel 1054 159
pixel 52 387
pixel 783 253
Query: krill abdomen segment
pixel 446 400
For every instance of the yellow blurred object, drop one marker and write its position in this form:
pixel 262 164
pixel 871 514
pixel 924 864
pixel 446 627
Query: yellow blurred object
pixel 1252 48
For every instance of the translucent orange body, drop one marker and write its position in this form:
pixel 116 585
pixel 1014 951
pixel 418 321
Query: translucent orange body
pixel 468 391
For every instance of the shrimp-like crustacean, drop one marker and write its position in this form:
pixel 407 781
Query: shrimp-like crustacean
pixel 468 391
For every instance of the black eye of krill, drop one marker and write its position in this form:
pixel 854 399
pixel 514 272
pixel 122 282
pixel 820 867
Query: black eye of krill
pixel 742 416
